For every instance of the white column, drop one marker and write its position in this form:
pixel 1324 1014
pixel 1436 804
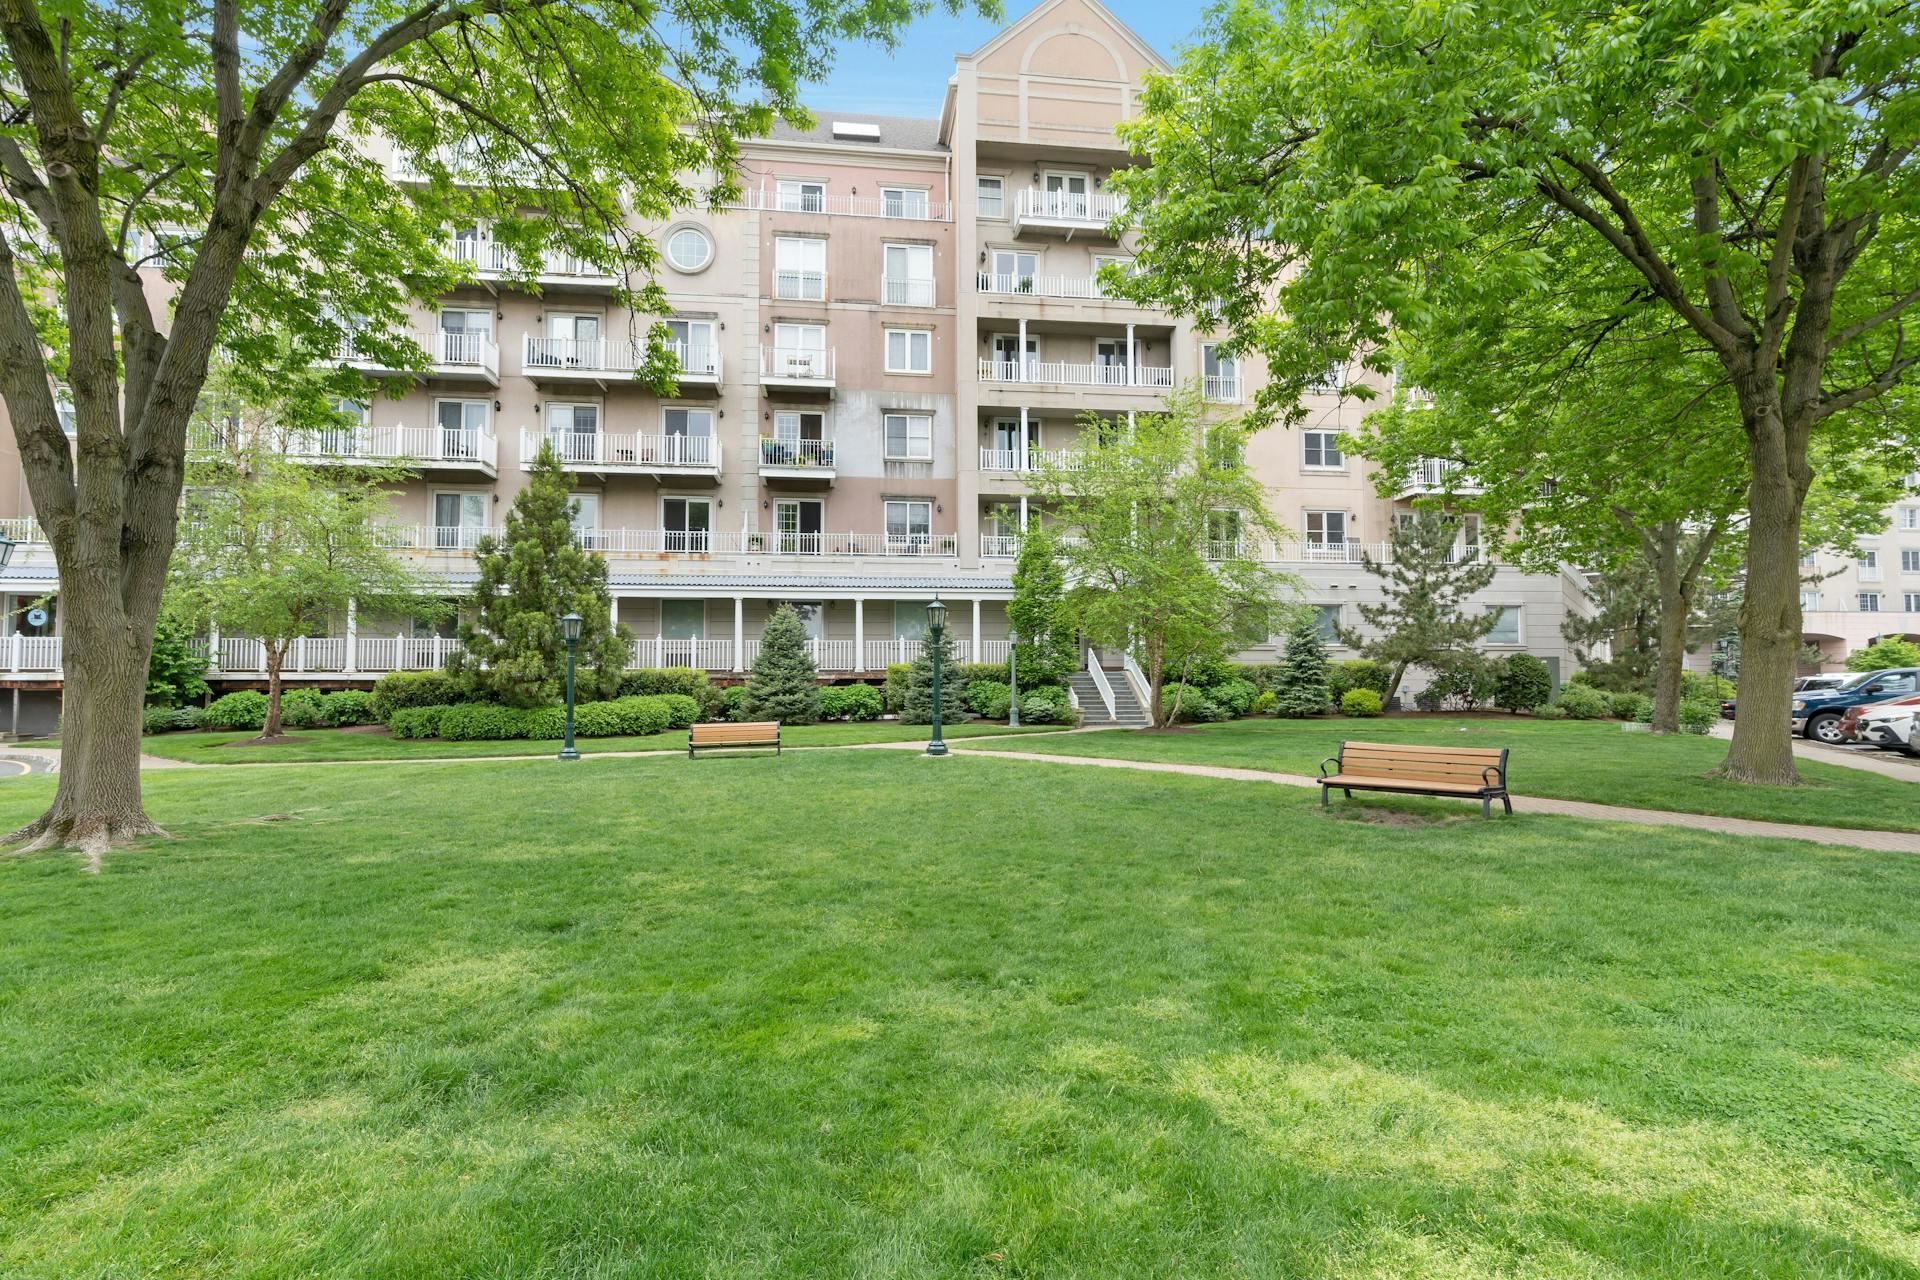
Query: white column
pixel 213 649
pixel 1133 361
pixel 1023 513
pixel 352 660
pixel 1022 454
pixel 859 634
pixel 1020 356
pixel 613 611
pixel 739 633
pixel 975 655
pixel 13 651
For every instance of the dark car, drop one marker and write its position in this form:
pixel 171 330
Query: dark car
pixel 1801 685
pixel 1817 713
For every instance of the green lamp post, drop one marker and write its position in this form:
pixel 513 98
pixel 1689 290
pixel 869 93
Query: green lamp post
pixel 570 632
pixel 1013 677
pixel 936 628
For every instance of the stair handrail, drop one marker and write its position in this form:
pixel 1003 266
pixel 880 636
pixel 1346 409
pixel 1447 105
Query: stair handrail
pixel 1100 682
pixel 1142 691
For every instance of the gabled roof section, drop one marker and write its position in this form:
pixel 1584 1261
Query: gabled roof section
pixel 1098 10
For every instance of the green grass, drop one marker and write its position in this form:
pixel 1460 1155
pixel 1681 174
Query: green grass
pixel 865 1014
pixel 334 744
pixel 1567 760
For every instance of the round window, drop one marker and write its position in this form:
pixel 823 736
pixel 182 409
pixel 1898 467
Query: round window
pixel 689 249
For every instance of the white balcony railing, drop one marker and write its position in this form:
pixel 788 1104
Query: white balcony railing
pixel 912 208
pixel 1438 475
pixel 664 651
pixel 999 546
pixel 803 286
pixel 24 531
pixel 465 351
pixel 490 259
pixel 1222 387
pixel 622 449
pixel 450 446
pixel 697 359
pixel 582 355
pixel 1042 286
pixel 797 364
pixel 1075 375
pixel 776 452
pixel 1010 460
pixel 1090 208
pixel 429 538
pixel 911 293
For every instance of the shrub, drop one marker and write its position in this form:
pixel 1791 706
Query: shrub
pixel 649 681
pixel 681 710
pixel 1465 682
pixel 1264 704
pixel 1195 708
pixel 863 702
pixel 1581 702
pixel 1698 715
pixel 346 707
pixel 1882 654
pixel 1206 673
pixel 1048 704
pixel 640 715
pixel 1360 702
pixel 1236 695
pixel 1704 687
pixel 169 719
pixel 965 673
pixel 734 700
pixel 398 689
pixel 416 722
pixel 1357 673
pixel 1627 706
pixel 300 709
pixel 244 709
pixel 1523 682
pixel 918 705
pixel 483 722
pixel 982 695
pixel 894 688
pixel 1549 712
pixel 1265 676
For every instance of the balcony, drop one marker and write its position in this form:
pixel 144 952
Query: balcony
pixel 699 365
pixel 797 368
pixel 626 453
pixel 1065 212
pixel 896 292
pixel 801 461
pixel 1434 476
pixel 434 448
pixel 576 360
pixel 800 286
pixel 492 261
pixel 1086 288
pixel 1221 388
pixel 999 546
pixel 1059 374
pixel 449 355
pixel 910 209
pixel 1010 461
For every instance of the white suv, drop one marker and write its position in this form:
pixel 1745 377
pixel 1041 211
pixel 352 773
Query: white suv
pixel 1892 726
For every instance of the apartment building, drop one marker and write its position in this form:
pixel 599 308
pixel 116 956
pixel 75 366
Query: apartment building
pixel 1847 601
pixel 878 344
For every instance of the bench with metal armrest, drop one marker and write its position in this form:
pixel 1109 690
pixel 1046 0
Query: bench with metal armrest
pixel 752 733
pixel 1471 773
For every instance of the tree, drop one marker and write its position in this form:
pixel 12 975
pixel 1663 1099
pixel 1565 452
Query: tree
pixel 1523 683
pixel 1164 527
pixel 1300 687
pixel 176 675
pixel 1422 622
pixel 528 581
pixel 1735 179
pixel 243 151
pixel 1047 651
pixel 784 685
pixel 918 706
pixel 280 550
pixel 1884 653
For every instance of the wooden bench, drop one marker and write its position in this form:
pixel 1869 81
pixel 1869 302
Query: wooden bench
pixel 1473 773
pixel 751 733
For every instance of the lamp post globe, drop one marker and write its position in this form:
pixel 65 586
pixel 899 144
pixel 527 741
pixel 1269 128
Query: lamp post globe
pixel 6 551
pixel 570 632
pixel 936 629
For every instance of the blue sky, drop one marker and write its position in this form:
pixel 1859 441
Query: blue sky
pixel 911 82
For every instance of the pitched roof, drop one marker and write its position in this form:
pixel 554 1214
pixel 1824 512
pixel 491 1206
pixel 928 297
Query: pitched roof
pixel 907 132
pixel 1120 28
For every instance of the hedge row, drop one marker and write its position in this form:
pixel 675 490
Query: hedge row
pixel 633 716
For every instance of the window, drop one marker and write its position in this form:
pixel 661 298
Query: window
pixel 1013 272
pixel 1810 559
pixel 909 523
pixel 1912 602
pixel 906 277
pixel 1331 380
pixel 683 619
pixel 812 616
pixel 991 200
pixel 1323 450
pixel 1326 620
pixel 689 436
pixel 572 341
pixel 685 523
pixel 586 519
pixel 910 620
pixel 1809 601
pixel 797 524
pixel 1868 601
pixel 458 520
pixel 799 439
pixel 1067 195
pixel 1909 518
pixel 910 436
pixel 1868 566
pixel 1223 534
pixel 693 345
pixel 800 351
pixel 909 351
pixel 1220 374
pixel 1506 630
pixel 574 431
pixel 1910 562
pixel 69 416
pixel 461 423
pixel 903 202
pixel 689 249
pixel 796 196
pixel 800 268
pixel 1326 528
pixel 464 336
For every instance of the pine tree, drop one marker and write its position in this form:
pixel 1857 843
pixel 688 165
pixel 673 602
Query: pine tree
pixel 918 707
pixel 1038 611
pixel 1422 622
pixel 530 579
pixel 784 685
pixel 1301 688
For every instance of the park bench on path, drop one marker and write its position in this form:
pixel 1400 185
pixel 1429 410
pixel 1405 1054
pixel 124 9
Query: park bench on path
pixel 751 733
pixel 1471 773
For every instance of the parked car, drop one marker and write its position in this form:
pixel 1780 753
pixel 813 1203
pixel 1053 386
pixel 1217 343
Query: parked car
pixel 1850 720
pixel 1801 685
pixel 1817 712
pixel 1893 725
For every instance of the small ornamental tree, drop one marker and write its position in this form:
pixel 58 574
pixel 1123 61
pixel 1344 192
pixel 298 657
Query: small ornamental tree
pixel 918 707
pixel 784 685
pixel 1524 683
pixel 1300 686
pixel 1423 621
pixel 530 579
pixel 1882 654
pixel 176 675
pixel 1038 611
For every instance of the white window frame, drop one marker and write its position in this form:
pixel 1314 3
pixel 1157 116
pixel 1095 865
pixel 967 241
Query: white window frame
pixel 800 195
pixel 896 198
pixel 999 184
pixel 907 337
pixel 434 527
pixel 1332 441
pixel 1860 599
pixel 700 621
pixel 1909 518
pixel 910 290
pixel 1306 526
pixel 1809 601
pixel 706 241
pixel 910 537
pixel 886 436
pixel 1867 566
pixel 1909 560
pixel 685 538
pixel 1912 601
pixel 1328 618
pixel 1519 640
pixel 803 289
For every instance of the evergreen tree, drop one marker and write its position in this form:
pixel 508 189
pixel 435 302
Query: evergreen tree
pixel 175 674
pixel 1423 621
pixel 918 707
pixel 1300 688
pixel 529 580
pixel 1038 611
pixel 784 685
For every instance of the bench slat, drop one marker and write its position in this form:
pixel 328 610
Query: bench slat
pixel 1489 754
pixel 753 733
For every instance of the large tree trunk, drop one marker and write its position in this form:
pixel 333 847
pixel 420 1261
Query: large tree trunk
pixel 1670 651
pixel 276 662
pixel 1762 749
pixel 97 803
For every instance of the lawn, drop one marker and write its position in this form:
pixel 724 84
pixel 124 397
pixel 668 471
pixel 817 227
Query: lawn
pixel 1569 760
pixel 866 1014
pixel 334 744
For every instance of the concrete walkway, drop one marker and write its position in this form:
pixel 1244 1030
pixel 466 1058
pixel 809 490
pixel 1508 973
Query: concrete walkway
pixel 1879 841
pixel 1888 764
